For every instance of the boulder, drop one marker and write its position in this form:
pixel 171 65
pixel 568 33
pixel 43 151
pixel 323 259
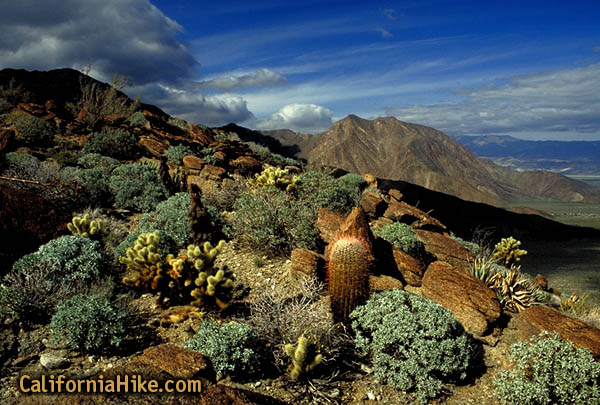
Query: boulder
pixel 412 269
pixel 54 360
pixel 328 223
pixel 403 212
pixel 534 319
pixel 469 299
pixel 308 262
pixel 384 283
pixel 446 249
pixel 193 162
pixel 7 135
pixel 395 194
pixel 245 165
pixel 373 204
pixel 370 179
pixel 210 172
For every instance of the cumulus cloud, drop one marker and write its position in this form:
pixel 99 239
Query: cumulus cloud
pixel 556 104
pixel 299 117
pixel 115 37
pixel 215 110
pixel 390 13
pixel 260 78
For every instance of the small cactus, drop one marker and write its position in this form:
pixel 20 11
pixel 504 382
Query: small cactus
pixel 302 363
pixel 274 177
pixel 508 251
pixel 349 261
pixel 85 227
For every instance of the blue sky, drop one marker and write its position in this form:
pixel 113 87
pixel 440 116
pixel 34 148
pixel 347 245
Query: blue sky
pixel 529 69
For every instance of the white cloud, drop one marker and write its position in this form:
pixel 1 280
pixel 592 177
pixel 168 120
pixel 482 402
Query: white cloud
pixel 562 104
pixel 299 117
pixel 260 78
pixel 390 13
pixel 194 107
pixel 124 37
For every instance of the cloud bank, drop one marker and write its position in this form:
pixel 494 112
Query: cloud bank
pixel 562 103
pixel 300 118
pixel 115 37
pixel 260 78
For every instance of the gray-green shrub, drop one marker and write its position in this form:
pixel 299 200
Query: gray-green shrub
pixel 402 236
pixel 118 144
pixel 233 348
pixel 94 182
pixel 137 187
pixel 96 160
pixel 321 190
pixel 548 370
pixel 137 119
pixel 90 323
pixel 175 154
pixel 31 130
pixel 266 156
pixel 414 344
pixel 171 217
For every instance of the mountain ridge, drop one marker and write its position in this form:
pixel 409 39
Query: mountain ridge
pixel 389 148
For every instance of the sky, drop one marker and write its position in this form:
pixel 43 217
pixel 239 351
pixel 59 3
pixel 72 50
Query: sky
pixel 529 69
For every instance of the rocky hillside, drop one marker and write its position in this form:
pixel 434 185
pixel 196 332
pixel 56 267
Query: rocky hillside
pixel 149 246
pixel 391 149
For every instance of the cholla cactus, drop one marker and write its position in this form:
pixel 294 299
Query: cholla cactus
pixel 508 251
pixel 275 177
pixel 302 362
pixel 144 262
pixel 86 227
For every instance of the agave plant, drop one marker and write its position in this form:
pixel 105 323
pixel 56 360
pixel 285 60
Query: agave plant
pixel 514 291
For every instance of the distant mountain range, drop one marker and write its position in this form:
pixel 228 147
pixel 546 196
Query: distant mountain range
pixel 395 150
pixel 570 158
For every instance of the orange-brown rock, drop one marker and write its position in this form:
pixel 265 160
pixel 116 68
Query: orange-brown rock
pixel 534 319
pixel 370 179
pixel 33 109
pixel 395 194
pixel 225 395
pixel 384 283
pixel 470 300
pixel 153 145
pixel 446 249
pixel 539 281
pixel 211 172
pixel 308 262
pixel 193 162
pixel 245 165
pixel 6 137
pixel 412 269
pixel 199 135
pixel 373 205
pixel 173 360
pixel 403 212
pixel 220 156
pixel 328 223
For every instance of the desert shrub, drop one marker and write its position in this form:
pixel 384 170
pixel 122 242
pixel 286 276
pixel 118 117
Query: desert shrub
pixel 137 119
pixel 402 236
pixel 90 323
pixel 118 144
pixel 56 270
pixel 28 167
pixel 175 154
pixel 321 190
pixel 66 158
pixel 473 247
pixel 71 257
pixel 31 294
pixel 225 196
pixel 233 348
pixel 136 186
pixel 178 122
pixel 280 319
pixel 273 222
pixel 96 160
pixel 93 182
pixel 414 343
pixel 266 156
pixel 171 217
pixel 31 130
pixel 98 100
pixel 353 183
pixel 548 370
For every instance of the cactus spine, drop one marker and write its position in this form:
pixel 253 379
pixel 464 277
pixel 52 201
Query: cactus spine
pixel 299 357
pixel 348 275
